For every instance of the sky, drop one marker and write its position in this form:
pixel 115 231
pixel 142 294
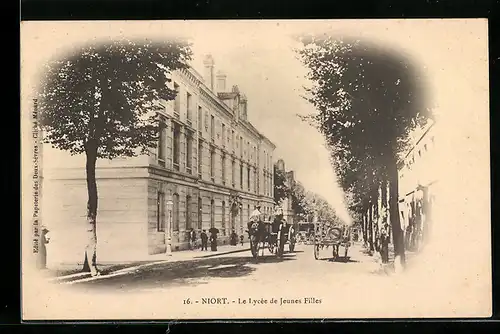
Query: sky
pixel 258 56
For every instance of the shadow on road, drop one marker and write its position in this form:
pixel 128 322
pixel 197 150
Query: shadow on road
pixel 182 273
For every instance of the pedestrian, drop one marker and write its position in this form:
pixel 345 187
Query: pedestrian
pixel 234 238
pixel 204 240
pixel 213 239
pixel 241 239
pixel 192 238
pixel 42 248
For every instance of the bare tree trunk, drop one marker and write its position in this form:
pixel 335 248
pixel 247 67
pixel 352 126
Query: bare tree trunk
pixel 375 220
pixel 364 226
pixel 399 249
pixel 90 260
pixel 385 235
pixel 370 226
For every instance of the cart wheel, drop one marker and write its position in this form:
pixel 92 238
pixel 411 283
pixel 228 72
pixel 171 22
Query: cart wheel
pixel 316 252
pixel 271 248
pixel 254 246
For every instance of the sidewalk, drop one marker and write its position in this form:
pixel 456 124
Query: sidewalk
pixel 106 267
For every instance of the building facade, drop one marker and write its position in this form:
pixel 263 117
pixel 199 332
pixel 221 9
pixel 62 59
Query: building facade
pixel 210 169
pixel 417 179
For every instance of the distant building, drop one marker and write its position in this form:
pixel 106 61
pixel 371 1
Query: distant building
pixel 210 160
pixel 289 213
pixel 417 179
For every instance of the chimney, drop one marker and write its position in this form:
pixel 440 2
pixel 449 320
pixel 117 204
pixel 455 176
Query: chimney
pixel 243 106
pixel 280 164
pixel 208 62
pixel 221 82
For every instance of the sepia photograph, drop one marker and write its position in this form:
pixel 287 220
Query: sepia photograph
pixel 255 169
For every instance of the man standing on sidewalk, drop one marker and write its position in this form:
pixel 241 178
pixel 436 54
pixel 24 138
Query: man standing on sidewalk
pixel 204 240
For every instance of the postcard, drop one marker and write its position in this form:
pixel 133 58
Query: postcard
pixel 255 169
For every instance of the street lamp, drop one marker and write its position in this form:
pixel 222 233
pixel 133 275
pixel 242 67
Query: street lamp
pixel 168 233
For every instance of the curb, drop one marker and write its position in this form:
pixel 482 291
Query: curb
pixel 126 270
pixel 224 253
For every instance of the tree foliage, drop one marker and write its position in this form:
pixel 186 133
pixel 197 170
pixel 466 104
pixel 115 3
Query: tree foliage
pixel 368 100
pixel 109 93
pixel 281 187
pixel 103 101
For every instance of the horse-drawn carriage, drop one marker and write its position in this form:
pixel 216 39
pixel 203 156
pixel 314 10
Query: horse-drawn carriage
pixel 326 235
pixel 272 236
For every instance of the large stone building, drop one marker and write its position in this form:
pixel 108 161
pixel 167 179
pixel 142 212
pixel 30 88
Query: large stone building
pixel 211 168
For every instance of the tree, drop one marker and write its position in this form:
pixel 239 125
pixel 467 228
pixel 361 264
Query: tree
pixel 298 195
pixel 102 101
pixel 368 100
pixel 281 187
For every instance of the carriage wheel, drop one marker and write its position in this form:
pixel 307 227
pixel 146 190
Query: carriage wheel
pixel 316 252
pixel 270 246
pixel 254 246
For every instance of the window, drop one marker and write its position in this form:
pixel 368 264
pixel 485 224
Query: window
pixel 212 163
pixel 188 212
pixel 212 213
pixel 160 209
pixel 241 146
pixel 270 185
pixel 177 101
pixel 162 144
pixel 177 143
pixel 176 212
pixel 241 175
pixel 248 178
pixel 223 168
pixel 223 135
pixel 200 158
pixel 241 218
pixel 200 118
pixel 265 184
pixel 255 182
pixel 189 153
pixel 189 105
pixel 223 224
pixel 212 127
pixel 233 173
pixel 248 212
pixel 200 213
pixel 232 140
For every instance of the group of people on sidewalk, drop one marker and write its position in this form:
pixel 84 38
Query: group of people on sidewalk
pixel 211 237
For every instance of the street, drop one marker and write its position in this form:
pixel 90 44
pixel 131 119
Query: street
pixel 266 273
